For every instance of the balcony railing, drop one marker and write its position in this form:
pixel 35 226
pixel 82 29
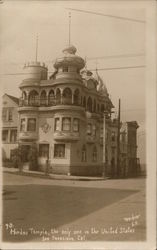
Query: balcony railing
pixel 46 102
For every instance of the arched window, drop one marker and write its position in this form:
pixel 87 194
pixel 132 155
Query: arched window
pixel 67 96
pixel 24 98
pixel 43 98
pixel 94 106
pixel 84 102
pixel 51 98
pixel 89 104
pixel 84 154
pixel 58 96
pixel 24 95
pixel 33 98
pixel 102 107
pixel 94 156
pixel 76 97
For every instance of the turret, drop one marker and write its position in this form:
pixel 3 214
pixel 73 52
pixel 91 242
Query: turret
pixel 34 72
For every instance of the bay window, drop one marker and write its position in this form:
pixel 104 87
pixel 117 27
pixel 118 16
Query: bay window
pixel 76 125
pixel 66 124
pixel 23 124
pixel 57 124
pixel 31 124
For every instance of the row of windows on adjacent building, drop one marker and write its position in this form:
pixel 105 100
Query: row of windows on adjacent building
pixel 9 135
pixel 59 152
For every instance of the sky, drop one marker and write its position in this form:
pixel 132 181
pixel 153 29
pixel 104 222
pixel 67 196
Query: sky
pixel 93 35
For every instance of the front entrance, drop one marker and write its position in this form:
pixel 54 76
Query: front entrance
pixel 25 150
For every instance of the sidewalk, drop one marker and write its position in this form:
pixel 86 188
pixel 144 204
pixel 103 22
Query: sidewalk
pixel 51 176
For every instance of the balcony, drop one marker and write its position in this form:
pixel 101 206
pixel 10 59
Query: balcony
pixel 46 102
pixel 45 105
pixel 66 136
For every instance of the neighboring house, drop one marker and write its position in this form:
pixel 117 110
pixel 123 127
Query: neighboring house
pixel 9 125
pixel 130 163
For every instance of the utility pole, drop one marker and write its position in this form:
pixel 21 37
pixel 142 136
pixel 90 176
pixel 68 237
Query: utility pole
pixel 104 144
pixel 118 140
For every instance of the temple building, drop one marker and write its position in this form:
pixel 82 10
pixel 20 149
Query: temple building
pixel 67 119
pixel 63 115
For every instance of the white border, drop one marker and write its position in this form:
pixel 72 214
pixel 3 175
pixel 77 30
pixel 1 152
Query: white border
pixel 150 243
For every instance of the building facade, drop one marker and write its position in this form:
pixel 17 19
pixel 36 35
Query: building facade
pixel 67 118
pixel 9 125
pixel 63 115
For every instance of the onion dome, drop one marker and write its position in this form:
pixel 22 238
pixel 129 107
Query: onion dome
pixel 69 59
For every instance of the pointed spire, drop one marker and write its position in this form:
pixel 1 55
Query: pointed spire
pixel 69 28
pixel 36 52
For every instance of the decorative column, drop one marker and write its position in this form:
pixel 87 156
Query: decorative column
pixel 61 91
pixel 47 99
pixel 9 132
pixel 73 97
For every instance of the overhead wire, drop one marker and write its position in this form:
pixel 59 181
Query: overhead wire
pixel 107 15
pixel 113 68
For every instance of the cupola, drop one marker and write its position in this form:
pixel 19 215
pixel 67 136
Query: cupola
pixel 69 61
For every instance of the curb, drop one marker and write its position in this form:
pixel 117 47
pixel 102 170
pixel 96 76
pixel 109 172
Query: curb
pixel 52 177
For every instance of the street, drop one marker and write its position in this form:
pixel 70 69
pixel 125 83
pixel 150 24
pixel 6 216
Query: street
pixel 36 209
